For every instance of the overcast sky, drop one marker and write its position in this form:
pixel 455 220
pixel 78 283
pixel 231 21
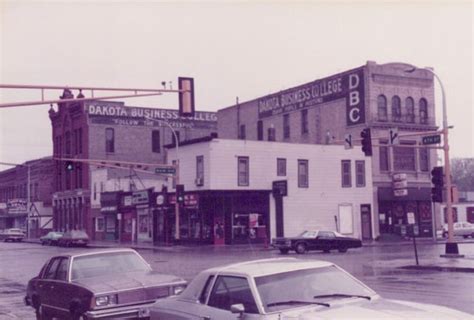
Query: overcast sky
pixel 232 49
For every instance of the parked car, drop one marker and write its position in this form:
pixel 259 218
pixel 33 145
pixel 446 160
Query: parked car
pixel 288 288
pixel 51 238
pixel 316 240
pixel 464 229
pixel 74 238
pixel 13 234
pixel 113 283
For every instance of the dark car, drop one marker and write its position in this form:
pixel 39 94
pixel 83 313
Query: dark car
pixel 13 234
pixel 316 240
pixel 98 284
pixel 51 238
pixel 74 238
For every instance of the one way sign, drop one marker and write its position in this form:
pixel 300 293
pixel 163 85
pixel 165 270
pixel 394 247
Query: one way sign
pixel 394 138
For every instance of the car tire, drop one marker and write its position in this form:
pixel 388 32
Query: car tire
pixel 342 249
pixel 300 248
pixel 284 251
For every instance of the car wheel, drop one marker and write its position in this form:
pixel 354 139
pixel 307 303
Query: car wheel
pixel 284 251
pixel 300 248
pixel 342 249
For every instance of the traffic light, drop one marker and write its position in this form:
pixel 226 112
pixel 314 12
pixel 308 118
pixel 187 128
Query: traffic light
pixel 180 193
pixel 186 96
pixel 69 165
pixel 366 142
pixel 438 182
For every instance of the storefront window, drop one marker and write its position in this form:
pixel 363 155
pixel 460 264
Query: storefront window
pixel 99 224
pixel 110 223
pixel 248 226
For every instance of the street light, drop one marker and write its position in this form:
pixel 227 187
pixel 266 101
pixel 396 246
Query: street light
pixel 176 207
pixel 451 246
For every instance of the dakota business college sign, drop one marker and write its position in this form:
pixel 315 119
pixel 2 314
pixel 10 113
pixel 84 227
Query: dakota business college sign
pixel 348 85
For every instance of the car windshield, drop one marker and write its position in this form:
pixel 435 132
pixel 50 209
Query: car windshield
pixel 308 234
pixel 308 286
pixel 107 263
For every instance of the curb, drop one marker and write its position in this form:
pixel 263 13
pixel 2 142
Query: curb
pixel 439 268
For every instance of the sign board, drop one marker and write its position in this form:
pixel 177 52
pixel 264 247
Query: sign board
pixel 280 187
pixel 411 217
pixel 191 200
pixel 400 184
pixel 399 176
pixel 160 199
pixel 140 197
pixel 165 170
pixel 400 192
pixel 119 216
pixel 348 141
pixel 431 139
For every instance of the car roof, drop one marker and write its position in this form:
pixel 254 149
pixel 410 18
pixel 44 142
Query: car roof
pixel 263 267
pixel 87 252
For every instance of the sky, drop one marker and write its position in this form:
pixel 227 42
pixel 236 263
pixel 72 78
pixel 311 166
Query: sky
pixel 232 49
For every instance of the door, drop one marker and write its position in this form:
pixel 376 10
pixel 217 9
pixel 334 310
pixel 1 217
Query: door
pixel 219 231
pixel 366 221
pixel 46 285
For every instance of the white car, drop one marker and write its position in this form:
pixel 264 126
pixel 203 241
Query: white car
pixel 464 229
pixel 288 288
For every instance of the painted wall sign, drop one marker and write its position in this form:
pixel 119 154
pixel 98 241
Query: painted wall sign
pixel 348 85
pixel 116 113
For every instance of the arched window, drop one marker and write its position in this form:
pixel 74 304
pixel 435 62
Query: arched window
pixel 396 109
pixel 382 107
pixel 410 108
pixel 423 111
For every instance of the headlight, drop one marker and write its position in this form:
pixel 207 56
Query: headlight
pixel 101 301
pixel 178 289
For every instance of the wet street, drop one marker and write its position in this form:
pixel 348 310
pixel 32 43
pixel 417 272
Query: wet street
pixel 376 266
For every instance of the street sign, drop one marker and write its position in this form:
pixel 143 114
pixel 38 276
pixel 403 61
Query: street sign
pixel 400 192
pixel 411 217
pixel 280 187
pixel 347 141
pixel 431 139
pixel 400 184
pixel 394 138
pixel 399 176
pixel 165 170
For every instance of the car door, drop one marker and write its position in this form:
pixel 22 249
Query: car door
pixel 62 291
pixel 46 284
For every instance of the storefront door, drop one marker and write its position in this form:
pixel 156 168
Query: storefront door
pixel 366 221
pixel 143 225
pixel 219 231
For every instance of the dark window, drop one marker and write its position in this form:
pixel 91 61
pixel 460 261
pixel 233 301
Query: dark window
pixel 410 107
pixel 360 173
pixel 382 107
pixel 78 170
pixel 76 144
pixel 260 130
pixel 396 109
pixel 346 173
pixel 281 167
pixel 242 131
pixel 61 273
pixel 200 168
pixel 230 290
pixel 109 140
pixel 303 179
pixel 383 157
pixel 424 159
pixel 423 111
pixel 404 158
pixel 51 269
pixel 155 141
pixel 67 143
pixel 243 171
pixel 286 126
pixel 79 141
pixel 271 134
pixel 304 121
pixel 206 290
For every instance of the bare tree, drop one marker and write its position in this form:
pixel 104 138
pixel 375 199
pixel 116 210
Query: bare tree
pixel 462 171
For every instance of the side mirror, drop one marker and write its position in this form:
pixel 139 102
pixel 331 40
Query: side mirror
pixel 237 308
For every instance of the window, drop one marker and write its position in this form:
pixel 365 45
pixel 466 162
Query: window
pixel 207 289
pixel 155 141
pixel 271 134
pixel 396 109
pixel 286 126
pixel 199 170
pixel 243 171
pixel 424 160
pixel 281 167
pixel 404 158
pixel 67 143
pixel 75 137
pixel 346 173
pixel 95 190
pixel 52 267
pixel 61 273
pixel 78 175
pixel 410 107
pixel 423 111
pixel 109 140
pixel 360 173
pixel 230 290
pixel 304 121
pixel 382 107
pixel 242 131
pixel 79 141
pixel 303 181
pixel 260 130
pixel 383 156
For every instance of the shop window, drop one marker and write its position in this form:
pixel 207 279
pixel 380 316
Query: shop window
pixel 383 156
pixel 346 180
pixel 304 121
pixel 423 104
pixel 200 170
pixel 360 173
pixel 345 218
pixel 424 160
pixel 382 107
pixel 242 132
pixel 243 171
pixel 404 157
pixel 410 108
pixel 109 140
pixel 286 126
pixel 260 130
pixel 396 109
pixel 248 226
pixel 281 167
pixel 155 141
pixel 99 224
pixel 110 223
pixel 303 179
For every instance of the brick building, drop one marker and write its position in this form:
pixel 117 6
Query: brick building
pixel 108 131
pixel 14 193
pixel 379 97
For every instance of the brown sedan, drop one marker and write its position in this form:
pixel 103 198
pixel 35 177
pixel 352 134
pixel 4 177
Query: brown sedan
pixel 98 284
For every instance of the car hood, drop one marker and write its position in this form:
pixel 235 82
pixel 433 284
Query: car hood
pixel 378 309
pixel 127 281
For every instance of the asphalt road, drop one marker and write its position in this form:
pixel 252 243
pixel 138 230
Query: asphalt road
pixel 375 266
